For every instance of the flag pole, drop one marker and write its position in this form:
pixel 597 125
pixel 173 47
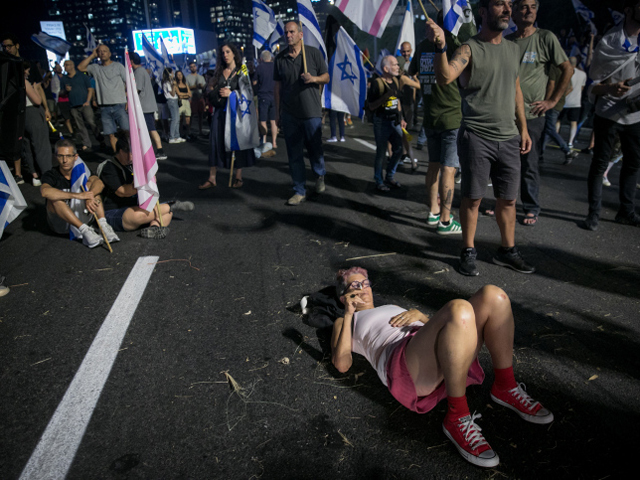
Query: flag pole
pixel 366 59
pixel 304 57
pixel 423 10
pixel 434 6
pixel 99 226
pixel 233 160
pixel 157 207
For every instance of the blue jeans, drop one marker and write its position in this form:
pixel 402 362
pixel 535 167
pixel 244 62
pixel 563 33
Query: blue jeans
pixel 550 132
pixel 114 116
pixel 336 117
pixel 299 133
pixel 174 127
pixel 386 131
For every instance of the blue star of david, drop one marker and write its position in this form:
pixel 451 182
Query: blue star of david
pixel 346 68
pixel 243 100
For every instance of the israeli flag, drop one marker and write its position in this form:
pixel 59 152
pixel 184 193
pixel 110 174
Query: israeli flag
pixel 264 22
pixel 616 16
pixel 586 14
pixel 12 203
pixel 168 61
pixel 275 36
pixel 456 12
pixel 407 33
pixel 91 41
pixel 79 177
pixel 241 122
pixel 57 45
pixel 154 60
pixel 383 53
pixel 310 27
pixel 347 87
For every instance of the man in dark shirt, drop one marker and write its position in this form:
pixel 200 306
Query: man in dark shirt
pixel 79 89
pixel 387 121
pixel 297 97
pixel 56 189
pixel 121 202
pixel 266 103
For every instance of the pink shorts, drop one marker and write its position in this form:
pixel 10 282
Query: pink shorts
pixel 401 385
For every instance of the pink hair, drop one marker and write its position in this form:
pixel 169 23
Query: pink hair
pixel 343 274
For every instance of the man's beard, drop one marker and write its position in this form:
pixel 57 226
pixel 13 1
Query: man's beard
pixel 496 24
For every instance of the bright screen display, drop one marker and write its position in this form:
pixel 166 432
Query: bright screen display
pixel 178 40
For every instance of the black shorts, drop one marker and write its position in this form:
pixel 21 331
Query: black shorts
pixel 65 110
pixel 267 109
pixel 571 114
pixel 481 160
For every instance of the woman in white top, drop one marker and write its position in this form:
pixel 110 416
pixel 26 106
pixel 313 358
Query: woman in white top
pixel 170 90
pixel 422 360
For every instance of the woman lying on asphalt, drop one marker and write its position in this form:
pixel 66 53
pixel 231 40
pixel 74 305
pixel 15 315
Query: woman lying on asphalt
pixel 423 360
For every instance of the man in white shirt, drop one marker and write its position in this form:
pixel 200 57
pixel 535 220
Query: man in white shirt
pixel 573 104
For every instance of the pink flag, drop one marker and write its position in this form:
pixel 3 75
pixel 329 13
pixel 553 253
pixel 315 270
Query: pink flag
pixel 371 16
pixel 145 165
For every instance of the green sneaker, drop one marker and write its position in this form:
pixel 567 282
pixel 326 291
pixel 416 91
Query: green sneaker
pixel 453 228
pixel 433 220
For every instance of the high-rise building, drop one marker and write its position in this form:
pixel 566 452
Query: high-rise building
pixel 111 22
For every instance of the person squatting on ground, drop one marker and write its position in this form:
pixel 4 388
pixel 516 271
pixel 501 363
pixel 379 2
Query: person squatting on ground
pixel 225 81
pixel 494 130
pixel 298 109
pixel 56 189
pixel 388 120
pixel 147 101
pixel 423 360
pixel 121 197
pixel 264 86
pixel 539 49
pixel 615 63
pixel 442 118
pixel 110 91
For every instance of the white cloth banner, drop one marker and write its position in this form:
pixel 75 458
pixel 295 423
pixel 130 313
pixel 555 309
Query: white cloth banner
pixel 370 16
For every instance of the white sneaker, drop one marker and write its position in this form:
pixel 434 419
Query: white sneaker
pixel 108 231
pixel 90 238
pixel 606 182
pixel 332 140
pixel 342 139
pixel 36 182
pixel 182 140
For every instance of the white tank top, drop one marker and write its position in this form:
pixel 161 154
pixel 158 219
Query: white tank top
pixel 375 339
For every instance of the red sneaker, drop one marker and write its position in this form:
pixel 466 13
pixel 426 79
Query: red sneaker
pixel 518 400
pixel 466 436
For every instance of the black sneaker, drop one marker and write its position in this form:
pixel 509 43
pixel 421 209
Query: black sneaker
pixel 512 258
pixel 590 223
pixel 569 156
pixel 18 179
pixel 633 219
pixel 468 262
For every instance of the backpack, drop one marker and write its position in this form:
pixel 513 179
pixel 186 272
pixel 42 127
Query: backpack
pixel 115 162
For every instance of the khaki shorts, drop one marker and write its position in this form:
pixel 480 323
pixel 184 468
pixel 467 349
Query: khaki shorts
pixel 185 107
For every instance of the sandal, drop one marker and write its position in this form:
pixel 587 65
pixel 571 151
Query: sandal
pixel 532 217
pixel 207 184
pixel 393 183
pixel 237 183
pixel 382 187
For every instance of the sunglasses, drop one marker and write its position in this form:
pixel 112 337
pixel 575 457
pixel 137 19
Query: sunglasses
pixel 356 285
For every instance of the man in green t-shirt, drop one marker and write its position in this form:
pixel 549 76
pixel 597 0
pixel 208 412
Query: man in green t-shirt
pixel 539 49
pixel 442 117
pixel 494 131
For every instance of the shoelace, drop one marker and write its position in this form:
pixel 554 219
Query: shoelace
pixel 520 394
pixel 471 431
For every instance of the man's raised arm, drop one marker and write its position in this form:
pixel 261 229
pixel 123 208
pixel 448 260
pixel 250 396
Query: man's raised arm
pixel 82 66
pixel 446 71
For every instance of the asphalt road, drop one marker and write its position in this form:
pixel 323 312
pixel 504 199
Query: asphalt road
pixel 223 297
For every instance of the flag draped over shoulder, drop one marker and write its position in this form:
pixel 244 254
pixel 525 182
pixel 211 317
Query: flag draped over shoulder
pixel 455 13
pixel 264 22
pixel 91 42
pixel 407 32
pixel 241 123
pixel 347 87
pixel 79 177
pixel 12 202
pixel 145 165
pixel 586 14
pixel 370 16
pixel 310 27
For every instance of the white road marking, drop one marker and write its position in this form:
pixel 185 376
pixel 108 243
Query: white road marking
pixel 365 143
pixel 59 443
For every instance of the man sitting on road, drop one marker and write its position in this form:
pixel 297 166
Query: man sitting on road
pixel 56 189
pixel 121 199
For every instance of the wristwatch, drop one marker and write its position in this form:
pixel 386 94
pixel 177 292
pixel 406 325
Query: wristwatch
pixel 441 50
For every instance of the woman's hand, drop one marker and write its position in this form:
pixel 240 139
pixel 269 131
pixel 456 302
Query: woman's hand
pixel 408 317
pixel 225 92
pixel 351 302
